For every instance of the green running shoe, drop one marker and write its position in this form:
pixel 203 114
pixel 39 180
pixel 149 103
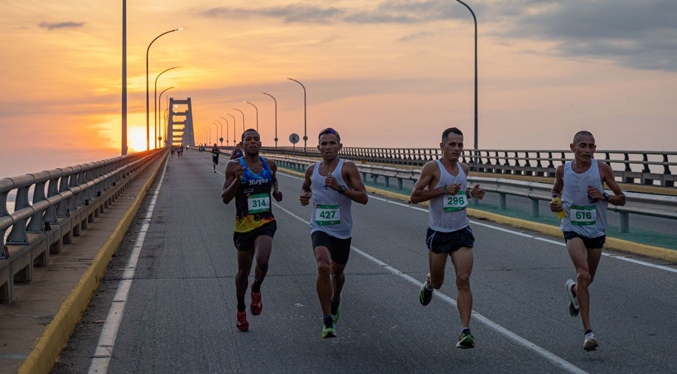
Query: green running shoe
pixel 465 340
pixel 328 330
pixel 336 317
pixel 424 296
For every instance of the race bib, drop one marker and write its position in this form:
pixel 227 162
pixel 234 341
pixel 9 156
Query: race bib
pixel 327 215
pixel 455 203
pixel 583 215
pixel 258 203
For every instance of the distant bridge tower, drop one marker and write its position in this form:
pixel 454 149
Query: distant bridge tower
pixel 181 128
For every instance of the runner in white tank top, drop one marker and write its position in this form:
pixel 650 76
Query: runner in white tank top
pixel 580 184
pixel 333 185
pixel 443 183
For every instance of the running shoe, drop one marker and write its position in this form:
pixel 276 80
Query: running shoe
pixel 257 304
pixel 328 330
pixel 590 342
pixel 573 301
pixel 465 340
pixel 425 295
pixel 242 323
pixel 336 317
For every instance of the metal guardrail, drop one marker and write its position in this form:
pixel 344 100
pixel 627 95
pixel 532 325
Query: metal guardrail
pixel 76 195
pixel 638 167
pixel 637 203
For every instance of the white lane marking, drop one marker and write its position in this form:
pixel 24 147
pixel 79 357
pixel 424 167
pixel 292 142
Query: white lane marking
pixel 554 359
pixel 104 349
pixel 559 243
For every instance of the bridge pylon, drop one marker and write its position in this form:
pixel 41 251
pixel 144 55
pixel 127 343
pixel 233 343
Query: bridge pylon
pixel 181 132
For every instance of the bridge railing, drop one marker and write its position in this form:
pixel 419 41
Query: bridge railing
pixel 637 203
pixel 74 197
pixel 638 167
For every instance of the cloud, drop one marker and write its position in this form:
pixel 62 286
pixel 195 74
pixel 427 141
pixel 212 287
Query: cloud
pixel 639 35
pixel 60 25
pixel 288 14
pixel 418 35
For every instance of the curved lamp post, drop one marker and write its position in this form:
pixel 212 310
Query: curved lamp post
pixel 164 129
pixel 234 125
pixel 241 112
pixel 257 114
pixel 216 125
pixel 305 117
pixel 275 116
pixel 147 99
pixel 476 117
pixel 155 108
pixel 227 126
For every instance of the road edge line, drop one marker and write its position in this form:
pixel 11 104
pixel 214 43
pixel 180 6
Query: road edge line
pixel 46 351
pixel 652 251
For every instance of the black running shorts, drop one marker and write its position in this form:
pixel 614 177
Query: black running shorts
pixel 592 243
pixel 339 248
pixel 215 159
pixel 244 241
pixel 447 242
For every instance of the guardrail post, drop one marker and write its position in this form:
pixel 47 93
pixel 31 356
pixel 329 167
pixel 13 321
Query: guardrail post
pixel 18 233
pixel 534 208
pixel 36 223
pixel 52 190
pixel 399 184
pixel 63 207
pixel 387 181
pixel 364 177
pixel 625 222
pixel 374 178
pixel 502 201
pixel 3 213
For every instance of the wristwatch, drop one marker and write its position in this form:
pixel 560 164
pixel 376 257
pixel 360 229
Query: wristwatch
pixel 606 196
pixel 342 190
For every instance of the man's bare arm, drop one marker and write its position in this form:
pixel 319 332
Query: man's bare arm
pixel 420 193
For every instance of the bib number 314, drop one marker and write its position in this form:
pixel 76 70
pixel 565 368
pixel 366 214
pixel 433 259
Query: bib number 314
pixel 456 202
pixel 258 203
pixel 327 215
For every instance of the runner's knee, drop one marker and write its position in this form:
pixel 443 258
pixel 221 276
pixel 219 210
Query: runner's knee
pixel 323 268
pixel 583 278
pixel 463 281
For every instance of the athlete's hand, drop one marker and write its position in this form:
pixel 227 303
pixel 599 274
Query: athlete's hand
pixel 595 193
pixel 477 192
pixel 452 189
pixel 277 195
pixel 305 198
pixel 239 170
pixel 331 183
pixel 556 206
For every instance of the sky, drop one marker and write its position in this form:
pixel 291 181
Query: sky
pixel 384 73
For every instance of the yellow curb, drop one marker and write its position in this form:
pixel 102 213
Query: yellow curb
pixel 611 243
pixel 56 334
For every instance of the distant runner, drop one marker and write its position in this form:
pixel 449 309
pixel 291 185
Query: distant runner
pixel 250 180
pixel 215 156
pixel 580 184
pixel 443 182
pixel 333 184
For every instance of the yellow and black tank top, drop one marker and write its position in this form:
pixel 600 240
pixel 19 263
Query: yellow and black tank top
pixel 252 200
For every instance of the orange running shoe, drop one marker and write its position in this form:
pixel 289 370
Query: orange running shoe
pixel 257 304
pixel 242 323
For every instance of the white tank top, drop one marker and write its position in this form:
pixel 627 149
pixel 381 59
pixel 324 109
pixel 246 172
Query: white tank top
pixel 331 210
pixel 447 212
pixel 583 217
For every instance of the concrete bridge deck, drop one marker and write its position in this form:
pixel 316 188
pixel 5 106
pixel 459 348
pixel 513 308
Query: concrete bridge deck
pixel 179 316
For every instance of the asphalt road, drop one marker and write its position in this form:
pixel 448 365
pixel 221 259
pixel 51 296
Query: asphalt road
pixel 180 312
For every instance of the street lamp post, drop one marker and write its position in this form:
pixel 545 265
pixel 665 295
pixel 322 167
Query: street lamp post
pixel 147 98
pixel 155 108
pixel 209 131
pixel 216 125
pixel 305 117
pixel 275 116
pixel 257 114
pixel 241 112
pixel 227 126
pixel 124 78
pixel 476 116
pixel 234 125
pixel 166 128
pixel 159 101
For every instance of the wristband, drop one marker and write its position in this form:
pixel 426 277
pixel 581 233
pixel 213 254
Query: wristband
pixel 470 195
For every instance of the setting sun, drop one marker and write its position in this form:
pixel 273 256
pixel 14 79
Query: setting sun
pixel 136 139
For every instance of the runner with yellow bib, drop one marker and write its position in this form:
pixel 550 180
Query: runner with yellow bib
pixel 333 184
